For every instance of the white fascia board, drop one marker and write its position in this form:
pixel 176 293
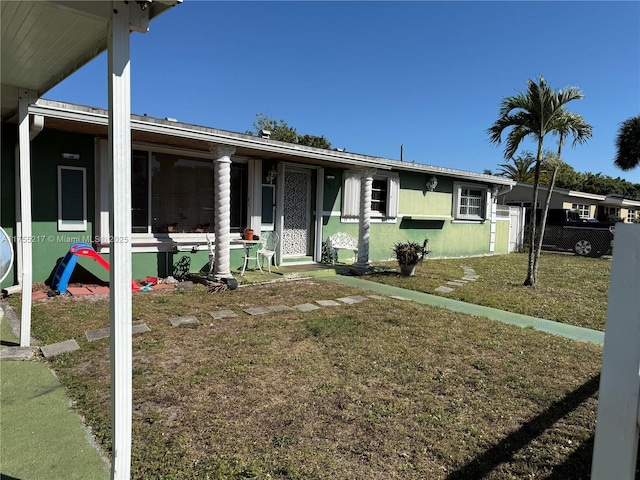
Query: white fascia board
pixel 588 196
pixel 78 113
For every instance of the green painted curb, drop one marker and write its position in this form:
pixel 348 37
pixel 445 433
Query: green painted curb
pixel 568 331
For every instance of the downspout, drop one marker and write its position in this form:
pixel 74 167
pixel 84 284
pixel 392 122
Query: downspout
pixel 35 127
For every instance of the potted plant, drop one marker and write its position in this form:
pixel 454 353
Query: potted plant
pixel 409 254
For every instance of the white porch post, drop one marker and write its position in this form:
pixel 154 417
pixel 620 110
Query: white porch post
pixel 366 183
pixel 24 240
pixel 615 446
pixel 124 17
pixel 222 207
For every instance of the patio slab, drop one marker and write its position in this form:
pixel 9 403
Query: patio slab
pixel 79 291
pixel 328 303
pixel 39 295
pixel 219 314
pixel 13 354
pixel 99 290
pixel 181 321
pixel 307 307
pixel 58 348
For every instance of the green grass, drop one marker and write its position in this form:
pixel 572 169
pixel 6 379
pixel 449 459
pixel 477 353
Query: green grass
pixel 570 289
pixel 379 389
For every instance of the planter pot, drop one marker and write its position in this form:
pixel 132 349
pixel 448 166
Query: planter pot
pixel 248 234
pixel 408 270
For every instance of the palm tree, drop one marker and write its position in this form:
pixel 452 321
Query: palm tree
pixel 628 144
pixel 535 114
pixel 522 169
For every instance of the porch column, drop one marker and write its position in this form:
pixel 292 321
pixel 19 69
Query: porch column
pixel 366 183
pixel 24 241
pixel 222 208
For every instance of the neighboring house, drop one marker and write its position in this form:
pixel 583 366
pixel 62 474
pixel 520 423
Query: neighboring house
pixel 185 176
pixel 590 205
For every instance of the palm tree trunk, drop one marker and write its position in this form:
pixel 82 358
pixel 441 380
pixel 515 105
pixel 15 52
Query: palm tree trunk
pixel 543 223
pixel 531 274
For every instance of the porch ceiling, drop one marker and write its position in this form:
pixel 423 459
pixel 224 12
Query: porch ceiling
pixel 43 42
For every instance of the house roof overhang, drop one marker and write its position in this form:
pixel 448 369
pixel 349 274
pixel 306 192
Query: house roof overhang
pixel 169 133
pixel 43 42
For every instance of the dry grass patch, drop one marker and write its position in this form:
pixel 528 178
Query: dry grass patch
pixel 380 389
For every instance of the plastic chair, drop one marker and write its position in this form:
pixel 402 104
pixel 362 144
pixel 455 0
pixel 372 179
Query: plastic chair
pixel 212 254
pixel 268 249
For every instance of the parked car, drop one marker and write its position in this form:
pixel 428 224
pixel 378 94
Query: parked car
pixel 565 230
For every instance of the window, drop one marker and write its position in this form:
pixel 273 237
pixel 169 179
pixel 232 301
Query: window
pixel 611 214
pixel 584 210
pixel 268 204
pixel 139 192
pixel 72 199
pixel 175 194
pixel 379 197
pixel 384 196
pixel 470 202
pixel 631 215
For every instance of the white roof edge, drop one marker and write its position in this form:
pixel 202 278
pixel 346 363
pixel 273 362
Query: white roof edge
pixel 99 116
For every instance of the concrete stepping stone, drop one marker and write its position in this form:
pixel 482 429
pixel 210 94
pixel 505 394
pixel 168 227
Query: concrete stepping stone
pixel 60 347
pixel 180 321
pixel 100 333
pixel 256 310
pixel 328 303
pixel 279 308
pixel 14 354
pixel 444 289
pixel 470 279
pixel 142 328
pixel 219 314
pixel 376 297
pixel 307 307
pixel 349 300
pixel 456 284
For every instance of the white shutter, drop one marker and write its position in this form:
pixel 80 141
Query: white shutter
pixel 393 192
pixel 351 195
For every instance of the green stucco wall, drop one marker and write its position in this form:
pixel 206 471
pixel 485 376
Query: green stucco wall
pixel 430 214
pixel 9 135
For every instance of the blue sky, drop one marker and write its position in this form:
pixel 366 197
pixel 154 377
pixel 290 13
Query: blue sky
pixel 371 76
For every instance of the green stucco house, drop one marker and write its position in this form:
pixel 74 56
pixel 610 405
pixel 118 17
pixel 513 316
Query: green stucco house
pixel 185 177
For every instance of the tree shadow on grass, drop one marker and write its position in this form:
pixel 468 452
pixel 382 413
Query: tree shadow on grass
pixel 577 465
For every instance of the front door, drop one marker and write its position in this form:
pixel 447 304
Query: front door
pixel 297 196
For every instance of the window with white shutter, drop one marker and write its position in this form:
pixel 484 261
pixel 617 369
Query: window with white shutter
pixel 385 191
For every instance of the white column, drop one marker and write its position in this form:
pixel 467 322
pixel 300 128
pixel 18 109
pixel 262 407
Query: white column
pixel 24 243
pixel 119 158
pixel 492 199
pixel 222 207
pixel 615 446
pixel 254 197
pixel 366 183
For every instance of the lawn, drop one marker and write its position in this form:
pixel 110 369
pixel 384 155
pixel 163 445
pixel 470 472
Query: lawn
pixel 570 289
pixel 384 388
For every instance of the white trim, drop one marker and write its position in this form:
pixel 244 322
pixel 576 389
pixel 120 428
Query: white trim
pixel 72 225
